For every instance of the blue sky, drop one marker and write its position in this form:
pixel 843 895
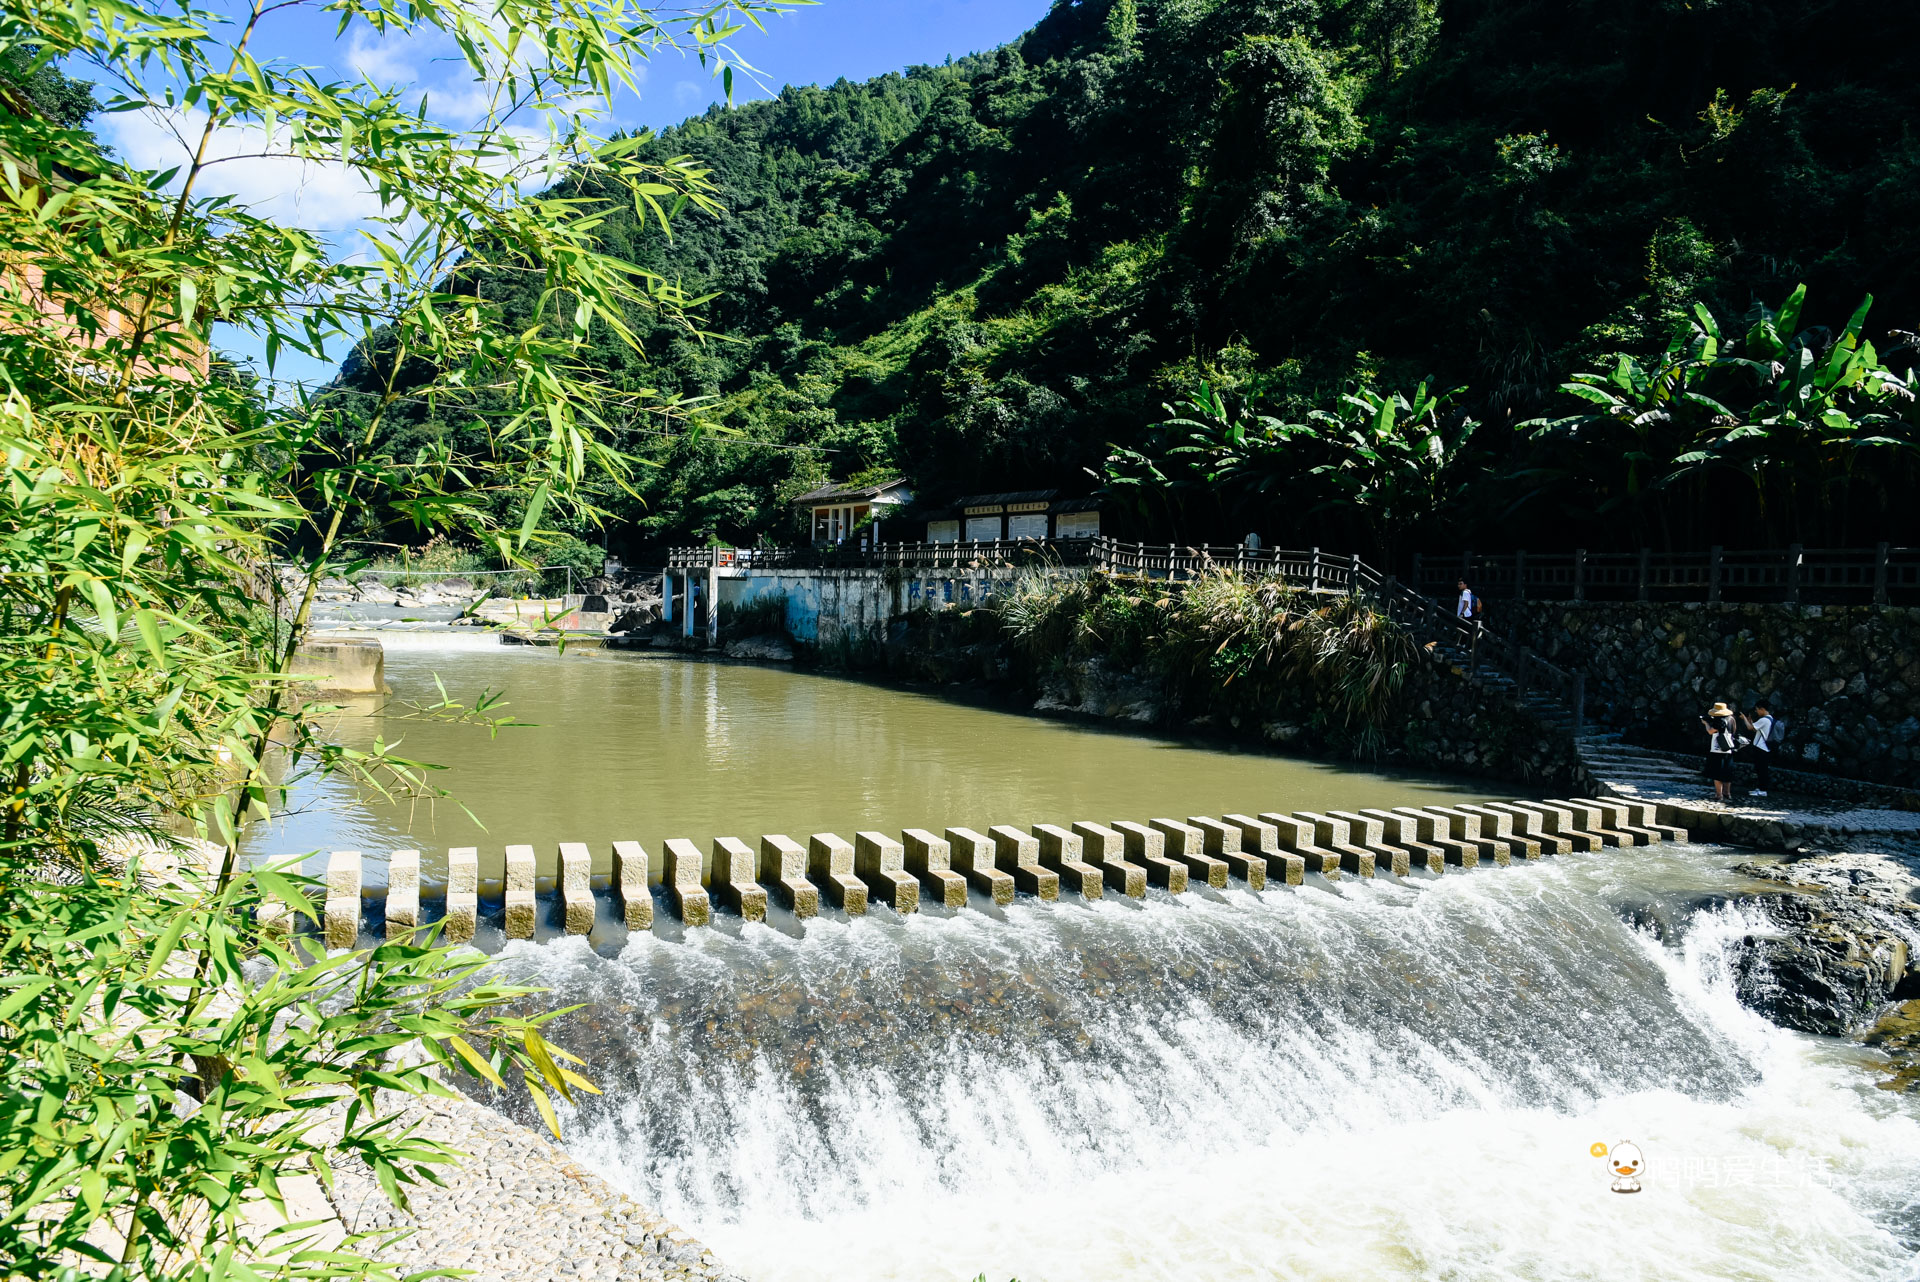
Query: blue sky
pixel 851 38
pixel 856 39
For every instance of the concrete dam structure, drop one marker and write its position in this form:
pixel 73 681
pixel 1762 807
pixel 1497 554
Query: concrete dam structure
pixel 1085 858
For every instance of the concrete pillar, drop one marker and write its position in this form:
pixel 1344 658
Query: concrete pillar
pixel 1336 835
pixel 1463 826
pixel 1592 819
pixel 1296 836
pixel 1062 854
pixel 520 906
pixel 830 864
pixel 463 895
pixel 1497 825
pixel 783 866
pixel 1646 814
pixel 1616 816
pixel 274 920
pixel 1222 842
pixel 1018 855
pixel 666 596
pixel 340 918
pixel 1437 830
pixel 576 888
pixel 1369 833
pixel 1106 850
pixel 930 859
pixel 974 859
pixel 735 878
pixel 1561 822
pixel 403 894
pixel 713 605
pixel 1188 845
pixel 1262 839
pixel 630 875
pixel 1528 824
pixel 1403 833
pixel 881 863
pixel 1148 847
pixel 681 876
pixel 686 615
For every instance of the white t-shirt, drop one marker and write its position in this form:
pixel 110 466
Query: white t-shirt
pixel 1763 734
pixel 1466 603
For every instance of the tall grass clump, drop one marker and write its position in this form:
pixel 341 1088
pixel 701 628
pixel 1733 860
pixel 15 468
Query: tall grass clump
pixel 1223 642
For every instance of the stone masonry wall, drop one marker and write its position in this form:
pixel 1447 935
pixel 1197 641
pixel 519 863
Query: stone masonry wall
pixel 1845 679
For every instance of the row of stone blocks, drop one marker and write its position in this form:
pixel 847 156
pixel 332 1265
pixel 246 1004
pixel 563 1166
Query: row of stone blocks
pixel 1087 858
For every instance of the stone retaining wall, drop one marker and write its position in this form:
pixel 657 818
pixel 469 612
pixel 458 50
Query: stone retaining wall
pixel 1443 721
pixel 1846 679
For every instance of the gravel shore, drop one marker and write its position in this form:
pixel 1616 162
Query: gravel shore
pixel 517 1209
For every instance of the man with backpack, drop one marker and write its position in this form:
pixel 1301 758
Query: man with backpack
pixel 1469 607
pixel 1762 732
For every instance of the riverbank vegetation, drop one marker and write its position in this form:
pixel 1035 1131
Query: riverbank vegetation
pixel 995 274
pixel 159 1085
pixel 1225 646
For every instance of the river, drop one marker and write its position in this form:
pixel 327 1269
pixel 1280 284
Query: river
pixel 1378 1080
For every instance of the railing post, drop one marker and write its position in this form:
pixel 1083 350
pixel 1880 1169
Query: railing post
pixel 1579 702
pixel 1313 573
pixel 1579 574
pixel 1520 575
pixel 1473 653
pixel 1353 575
pixel 1880 574
pixel 1713 575
pixel 1793 573
pixel 1646 559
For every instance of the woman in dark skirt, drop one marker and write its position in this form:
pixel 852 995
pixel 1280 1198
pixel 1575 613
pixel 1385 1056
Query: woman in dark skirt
pixel 1718 724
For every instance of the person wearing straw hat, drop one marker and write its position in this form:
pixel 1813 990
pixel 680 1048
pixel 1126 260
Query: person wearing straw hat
pixel 1721 742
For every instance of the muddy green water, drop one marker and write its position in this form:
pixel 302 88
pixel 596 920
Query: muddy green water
pixel 643 747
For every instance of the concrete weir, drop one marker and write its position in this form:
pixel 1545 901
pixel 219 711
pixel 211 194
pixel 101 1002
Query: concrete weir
pixel 1084 858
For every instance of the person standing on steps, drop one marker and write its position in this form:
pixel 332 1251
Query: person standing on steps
pixel 1760 750
pixel 1718 724
pixel 1469 607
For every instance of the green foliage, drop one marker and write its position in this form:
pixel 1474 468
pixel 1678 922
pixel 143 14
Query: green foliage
pixel 1223 642
pixel 1810 423
pixel 168 1055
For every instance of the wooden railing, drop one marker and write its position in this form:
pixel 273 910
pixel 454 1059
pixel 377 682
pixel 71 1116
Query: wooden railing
pixel 1880 575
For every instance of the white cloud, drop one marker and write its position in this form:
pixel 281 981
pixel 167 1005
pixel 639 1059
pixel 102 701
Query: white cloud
pixel 383 61
pixel 302 193
pixel 688 93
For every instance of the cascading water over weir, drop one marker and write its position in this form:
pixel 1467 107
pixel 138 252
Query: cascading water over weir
pixel 1325 1076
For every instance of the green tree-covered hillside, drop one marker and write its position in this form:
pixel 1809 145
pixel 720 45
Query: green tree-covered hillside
pixel 989 275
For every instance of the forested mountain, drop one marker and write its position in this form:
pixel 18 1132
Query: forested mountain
pixel 994 274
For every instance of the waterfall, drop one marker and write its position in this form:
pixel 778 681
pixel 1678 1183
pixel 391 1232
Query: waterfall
pixel 1386 1080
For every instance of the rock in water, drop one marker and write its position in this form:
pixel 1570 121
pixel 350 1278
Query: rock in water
pixel 1842 947
pixel 768 648
pixel 374 592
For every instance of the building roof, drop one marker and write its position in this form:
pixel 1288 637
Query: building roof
pixel 845 493
pixel 1016 496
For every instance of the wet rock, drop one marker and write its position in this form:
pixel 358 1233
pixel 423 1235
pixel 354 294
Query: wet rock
pixel 635 620
pixel 374 592
pixel 1839 948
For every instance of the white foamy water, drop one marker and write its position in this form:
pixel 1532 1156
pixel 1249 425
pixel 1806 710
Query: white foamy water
pixel 1387 1081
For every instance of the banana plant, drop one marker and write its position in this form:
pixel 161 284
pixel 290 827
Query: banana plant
pixel 1396 459
pixel 1645 414
pixel 1815 410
